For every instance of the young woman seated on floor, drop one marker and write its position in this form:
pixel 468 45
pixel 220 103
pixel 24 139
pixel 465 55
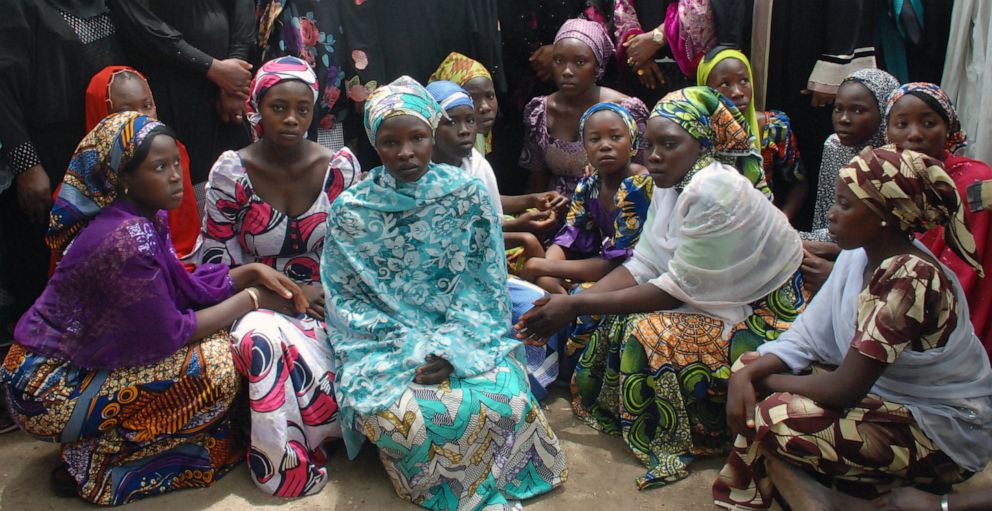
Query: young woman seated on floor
pixel 124 359
pixel 922 118
pixel 419 318
pixel 607 210
pixel 781 171
pixel 452 145
pixel 533 213
pixel 714 274
pixel 268 203
pixel 553 151
pixel 900 391
pixel 859 121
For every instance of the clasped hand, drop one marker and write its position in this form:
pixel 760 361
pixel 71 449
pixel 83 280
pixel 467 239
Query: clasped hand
pixel 435 371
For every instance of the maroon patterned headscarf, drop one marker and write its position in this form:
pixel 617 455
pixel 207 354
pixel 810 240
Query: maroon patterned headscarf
pixel 916 190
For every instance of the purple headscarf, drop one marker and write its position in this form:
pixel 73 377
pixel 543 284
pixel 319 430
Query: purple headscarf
pixel 593 35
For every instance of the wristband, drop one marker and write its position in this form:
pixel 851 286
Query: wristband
pixel 944 503
pixel 253 294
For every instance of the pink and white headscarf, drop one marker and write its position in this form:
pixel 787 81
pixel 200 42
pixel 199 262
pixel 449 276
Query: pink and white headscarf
pixel 270 74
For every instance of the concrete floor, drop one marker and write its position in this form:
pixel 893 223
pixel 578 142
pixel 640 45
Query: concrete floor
pixel 601 472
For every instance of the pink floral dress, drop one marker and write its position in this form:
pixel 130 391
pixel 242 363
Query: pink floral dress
pixel 287 360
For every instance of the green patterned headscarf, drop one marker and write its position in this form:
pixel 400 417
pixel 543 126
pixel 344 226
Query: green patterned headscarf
pixel 404 96
pixel 718 125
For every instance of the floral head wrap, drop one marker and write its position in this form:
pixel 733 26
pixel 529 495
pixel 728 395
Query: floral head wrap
pixel 718 125
pixel 904 183
pixel 269 75
pixel 98 92
pixel 937 99
pixel 90 182
pixel 880 84
pixel 404 96
pixel 593 35
pixel 459 69
pixel 449 95
pixel 703 75
pixel 625 116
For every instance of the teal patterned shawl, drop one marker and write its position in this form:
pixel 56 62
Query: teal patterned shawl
pixel 412 270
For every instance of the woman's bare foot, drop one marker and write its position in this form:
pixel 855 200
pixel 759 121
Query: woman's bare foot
pixel 803 493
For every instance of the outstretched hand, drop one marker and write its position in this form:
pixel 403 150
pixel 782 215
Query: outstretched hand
pixel 538 221
pixel 314 294
pixel 549 315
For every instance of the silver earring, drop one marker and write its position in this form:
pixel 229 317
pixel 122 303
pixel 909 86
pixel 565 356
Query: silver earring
pixel 125 193
pixel 884 223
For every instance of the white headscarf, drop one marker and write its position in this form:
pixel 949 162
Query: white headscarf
pixel 717 246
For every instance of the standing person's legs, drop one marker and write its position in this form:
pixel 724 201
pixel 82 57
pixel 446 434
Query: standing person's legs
pixel 25 255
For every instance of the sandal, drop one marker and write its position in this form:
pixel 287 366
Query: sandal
pixel 62 483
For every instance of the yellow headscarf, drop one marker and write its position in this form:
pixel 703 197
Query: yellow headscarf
pixel 703 74
pixel 460 69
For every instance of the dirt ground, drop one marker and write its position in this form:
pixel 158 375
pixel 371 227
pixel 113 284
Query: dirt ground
pixel 601 471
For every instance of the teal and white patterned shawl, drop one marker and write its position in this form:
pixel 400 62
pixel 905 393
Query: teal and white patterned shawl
pixel 412 270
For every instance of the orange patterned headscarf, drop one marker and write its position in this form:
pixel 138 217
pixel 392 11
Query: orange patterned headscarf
pixel 459 69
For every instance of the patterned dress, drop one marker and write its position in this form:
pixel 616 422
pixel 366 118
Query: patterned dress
pixel 659 379
pixel 133 433
pixel 780 154
pixel 415 270
pixel 565 160
pixel 589 231
pixel 287 359
pixel 908 305
pixel 104 364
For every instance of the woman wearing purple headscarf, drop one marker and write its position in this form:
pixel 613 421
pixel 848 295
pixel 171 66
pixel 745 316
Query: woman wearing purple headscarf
pixel 553 151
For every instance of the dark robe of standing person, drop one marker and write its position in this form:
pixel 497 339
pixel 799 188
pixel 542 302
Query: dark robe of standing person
pixel 49 50
pixel 174 43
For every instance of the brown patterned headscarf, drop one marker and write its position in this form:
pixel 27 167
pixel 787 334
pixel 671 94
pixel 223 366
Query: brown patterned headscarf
pixel 904 183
